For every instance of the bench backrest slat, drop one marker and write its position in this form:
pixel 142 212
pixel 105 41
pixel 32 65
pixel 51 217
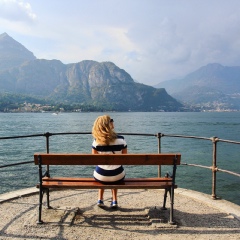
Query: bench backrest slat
pixel 105 159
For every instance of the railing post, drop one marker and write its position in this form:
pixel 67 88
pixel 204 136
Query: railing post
pixel 214 167
pixel 47 135
pixel 159 135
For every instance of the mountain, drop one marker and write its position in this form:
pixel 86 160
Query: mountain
pixel 103 84
pixel 12 53
pixel 211 87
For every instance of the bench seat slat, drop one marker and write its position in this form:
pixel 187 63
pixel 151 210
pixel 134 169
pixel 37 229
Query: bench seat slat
pixel 97 185
pixel 69 179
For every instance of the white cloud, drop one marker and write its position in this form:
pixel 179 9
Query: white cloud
pixel 152 40
pixel 14 10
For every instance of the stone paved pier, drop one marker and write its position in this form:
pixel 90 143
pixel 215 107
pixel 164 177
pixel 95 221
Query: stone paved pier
pixel 75 216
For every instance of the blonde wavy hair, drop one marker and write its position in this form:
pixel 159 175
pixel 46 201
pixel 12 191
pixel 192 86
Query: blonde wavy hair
pixel 102 130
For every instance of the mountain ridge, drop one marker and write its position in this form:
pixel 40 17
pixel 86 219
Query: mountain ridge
pixel 12 53
pixel 87 82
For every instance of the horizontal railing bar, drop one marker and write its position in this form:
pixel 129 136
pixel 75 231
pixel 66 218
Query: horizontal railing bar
pixel 140 134
pixel 72 133
pixel 15 164
pixel 229 172
pixel 206 167
pixel 133 134
pixel 196 165
pixel 228 141
pixel 45 134
pixel 196 137
pixel 69 133
pixel 182 136
pixel 25 136
pixel 75 133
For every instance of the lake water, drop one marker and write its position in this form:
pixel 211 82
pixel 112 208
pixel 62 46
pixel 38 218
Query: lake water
pixel 202 124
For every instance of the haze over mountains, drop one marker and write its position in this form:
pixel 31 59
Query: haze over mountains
pixel 211 87
pixel 106 86
pixel 87 82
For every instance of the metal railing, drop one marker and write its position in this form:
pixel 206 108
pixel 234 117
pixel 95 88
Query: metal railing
pixel 214 167
pixel 159 136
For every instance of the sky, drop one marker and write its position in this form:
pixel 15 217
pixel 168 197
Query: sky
pixel 152 40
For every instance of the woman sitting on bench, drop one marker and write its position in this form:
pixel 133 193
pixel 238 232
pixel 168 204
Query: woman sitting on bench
pixel 106 141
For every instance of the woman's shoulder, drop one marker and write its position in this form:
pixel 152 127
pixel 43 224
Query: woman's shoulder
pixel 119 141
pixel 120 137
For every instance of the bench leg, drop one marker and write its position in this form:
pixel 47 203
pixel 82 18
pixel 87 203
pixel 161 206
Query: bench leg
pixel 41 193
pixel 165 198
pixel 41 190
pixel 48 201
pixel 40 207
pixel 172 190
pixel 171 193
pixel 171 206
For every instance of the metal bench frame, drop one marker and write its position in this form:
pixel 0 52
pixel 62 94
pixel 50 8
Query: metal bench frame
pixel 46 182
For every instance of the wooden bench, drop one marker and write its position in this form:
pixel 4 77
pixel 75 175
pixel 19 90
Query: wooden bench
pixel 47 182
